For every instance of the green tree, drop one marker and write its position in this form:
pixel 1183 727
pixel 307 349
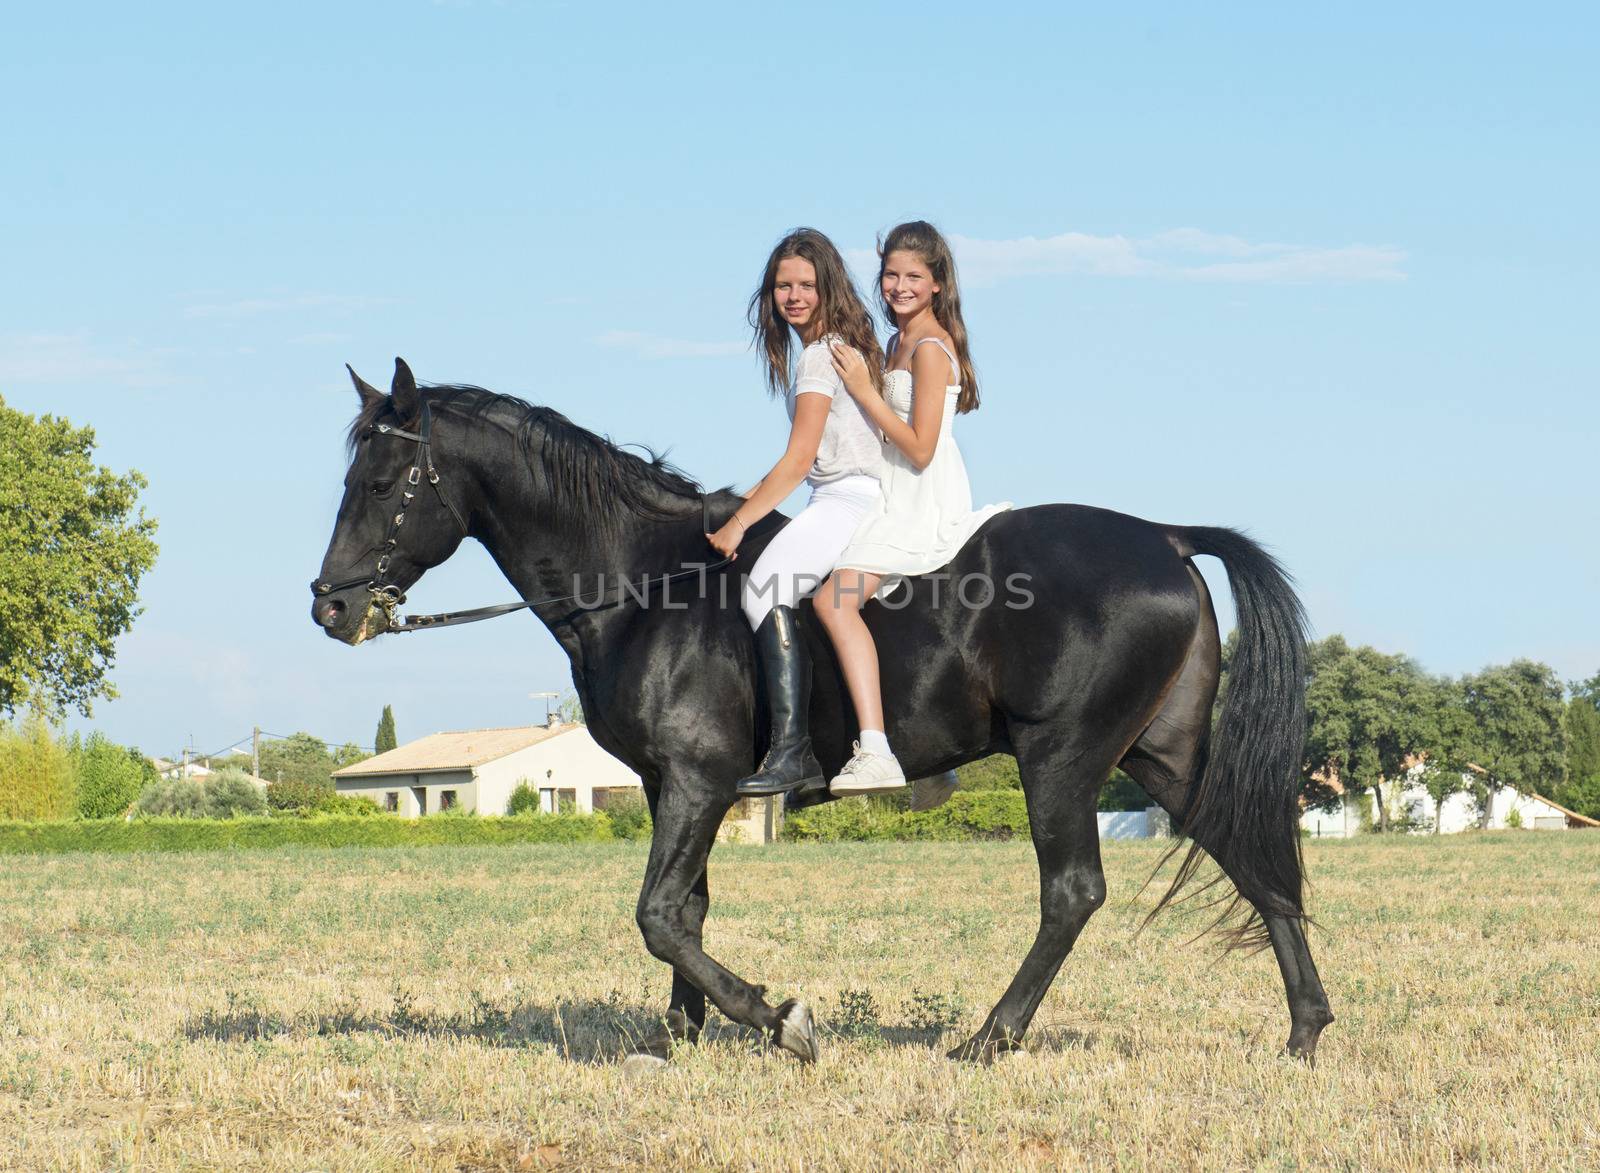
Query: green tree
pixel 1515 736
pixel 37 780
pixel 1582 726
pixel 570 710
pixel 384 740
pixel 1370 716
pixel 300 758
pixel 524 799
pixel 110 777
pixel 73 549
pixel 347 754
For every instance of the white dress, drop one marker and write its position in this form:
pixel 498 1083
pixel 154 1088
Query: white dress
pixel 925 515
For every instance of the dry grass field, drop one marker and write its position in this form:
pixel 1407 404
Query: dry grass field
pixel 461 1009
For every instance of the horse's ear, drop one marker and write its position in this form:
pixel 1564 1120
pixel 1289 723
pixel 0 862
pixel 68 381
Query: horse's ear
pixel 366 390
pixel 407 401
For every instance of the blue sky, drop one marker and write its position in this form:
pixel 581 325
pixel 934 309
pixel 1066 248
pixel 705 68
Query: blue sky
pixel 1327 275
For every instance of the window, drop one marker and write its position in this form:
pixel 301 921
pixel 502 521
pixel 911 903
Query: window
pixel 447 800
pixel 600 798
pixel 391 801
pixel 566 801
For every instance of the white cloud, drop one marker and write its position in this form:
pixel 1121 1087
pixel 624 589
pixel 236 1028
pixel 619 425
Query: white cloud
pixel 1183 254
pixel 70 358
pixel 255 306
pixel 654 346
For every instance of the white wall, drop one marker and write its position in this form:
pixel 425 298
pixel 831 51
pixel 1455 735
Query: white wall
pixel 1132 824
pixel 1340 823
pixel 407 786
pixel 568 761
pixel 1460 813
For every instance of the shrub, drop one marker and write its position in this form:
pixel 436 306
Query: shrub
pixel 302 800
pixel 984 814
pixel 230 793
pixel 524 800
pixel 185 834
pixel 356 805
pixel 996 772
pixel 180 798
pixel 37 779
pixel 629 814
pixel 110 778
pixel 295 794
pixel 226 794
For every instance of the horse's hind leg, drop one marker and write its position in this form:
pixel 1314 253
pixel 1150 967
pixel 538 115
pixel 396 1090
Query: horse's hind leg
pixel 1060 777
pixel 1168 759
pixel 1308 1003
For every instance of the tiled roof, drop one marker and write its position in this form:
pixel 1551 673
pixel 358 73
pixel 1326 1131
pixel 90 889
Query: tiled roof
pixel 454 751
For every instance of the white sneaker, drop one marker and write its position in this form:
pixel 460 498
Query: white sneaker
pixel 868 773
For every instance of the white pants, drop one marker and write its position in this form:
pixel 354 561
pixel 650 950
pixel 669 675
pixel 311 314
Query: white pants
pixel 806 550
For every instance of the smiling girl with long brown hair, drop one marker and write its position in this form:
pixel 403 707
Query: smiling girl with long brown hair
pixel 925 514
pixel 805 295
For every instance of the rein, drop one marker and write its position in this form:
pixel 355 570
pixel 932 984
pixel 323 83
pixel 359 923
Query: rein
pixel 387 596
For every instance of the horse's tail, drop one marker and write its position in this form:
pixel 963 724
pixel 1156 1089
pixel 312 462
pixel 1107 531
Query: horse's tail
pixel 1245 811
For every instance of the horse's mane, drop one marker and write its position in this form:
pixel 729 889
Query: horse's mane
pixel 589 481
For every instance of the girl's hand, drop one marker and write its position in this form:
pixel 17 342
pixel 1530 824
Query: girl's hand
pixel 726 540
pixel 852 368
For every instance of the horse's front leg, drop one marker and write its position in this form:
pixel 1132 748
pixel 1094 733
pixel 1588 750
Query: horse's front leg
pixel 671 912
pixel 686 1010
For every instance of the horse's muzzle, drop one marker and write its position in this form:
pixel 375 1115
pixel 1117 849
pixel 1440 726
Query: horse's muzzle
pixel 328 613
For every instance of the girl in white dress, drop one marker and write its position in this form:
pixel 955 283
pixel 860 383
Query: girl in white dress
pixel 926 513
pixel 806 295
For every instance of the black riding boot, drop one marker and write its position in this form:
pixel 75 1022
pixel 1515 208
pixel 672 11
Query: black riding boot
pixel 786 668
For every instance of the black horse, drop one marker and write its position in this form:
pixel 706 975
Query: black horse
pixel 1097 647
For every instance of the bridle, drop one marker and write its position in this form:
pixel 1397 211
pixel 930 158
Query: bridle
pixel 387 596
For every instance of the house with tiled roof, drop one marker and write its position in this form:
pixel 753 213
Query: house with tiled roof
pixel 477 769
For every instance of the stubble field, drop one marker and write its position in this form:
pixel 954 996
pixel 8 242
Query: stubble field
pixel 462 1008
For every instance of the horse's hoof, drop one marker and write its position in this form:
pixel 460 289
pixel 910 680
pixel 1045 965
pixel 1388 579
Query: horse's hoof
pixel 675 1029
pixel 795 1032
pixel 1306 1054
pixel 1302 1044
pixel 986 1049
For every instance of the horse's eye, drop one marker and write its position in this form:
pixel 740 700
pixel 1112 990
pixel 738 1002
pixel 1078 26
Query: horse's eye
pixel 382 488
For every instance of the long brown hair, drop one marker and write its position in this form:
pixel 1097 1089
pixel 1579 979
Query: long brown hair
pixel 922 238
pixel 839 308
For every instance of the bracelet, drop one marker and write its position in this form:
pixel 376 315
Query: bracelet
pixel 742 525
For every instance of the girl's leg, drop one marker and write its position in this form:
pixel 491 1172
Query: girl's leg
pixel 792 565
pixel 838 606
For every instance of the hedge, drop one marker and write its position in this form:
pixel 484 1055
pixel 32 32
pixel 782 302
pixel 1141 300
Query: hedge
pixel 978 814
pixel 177 834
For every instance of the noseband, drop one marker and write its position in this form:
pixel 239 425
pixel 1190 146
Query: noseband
pixel 387 595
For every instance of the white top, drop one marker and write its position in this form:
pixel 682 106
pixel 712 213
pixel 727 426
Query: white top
pixel 850 444
pixel 926 514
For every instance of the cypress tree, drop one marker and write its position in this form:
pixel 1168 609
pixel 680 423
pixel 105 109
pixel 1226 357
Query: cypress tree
pixel 385 738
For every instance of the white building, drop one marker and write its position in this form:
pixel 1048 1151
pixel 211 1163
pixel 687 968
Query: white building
pixel 478 769
pixel 1411 804
pixel 187 768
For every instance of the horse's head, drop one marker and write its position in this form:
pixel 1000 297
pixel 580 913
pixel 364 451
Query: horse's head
pixel 396 520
